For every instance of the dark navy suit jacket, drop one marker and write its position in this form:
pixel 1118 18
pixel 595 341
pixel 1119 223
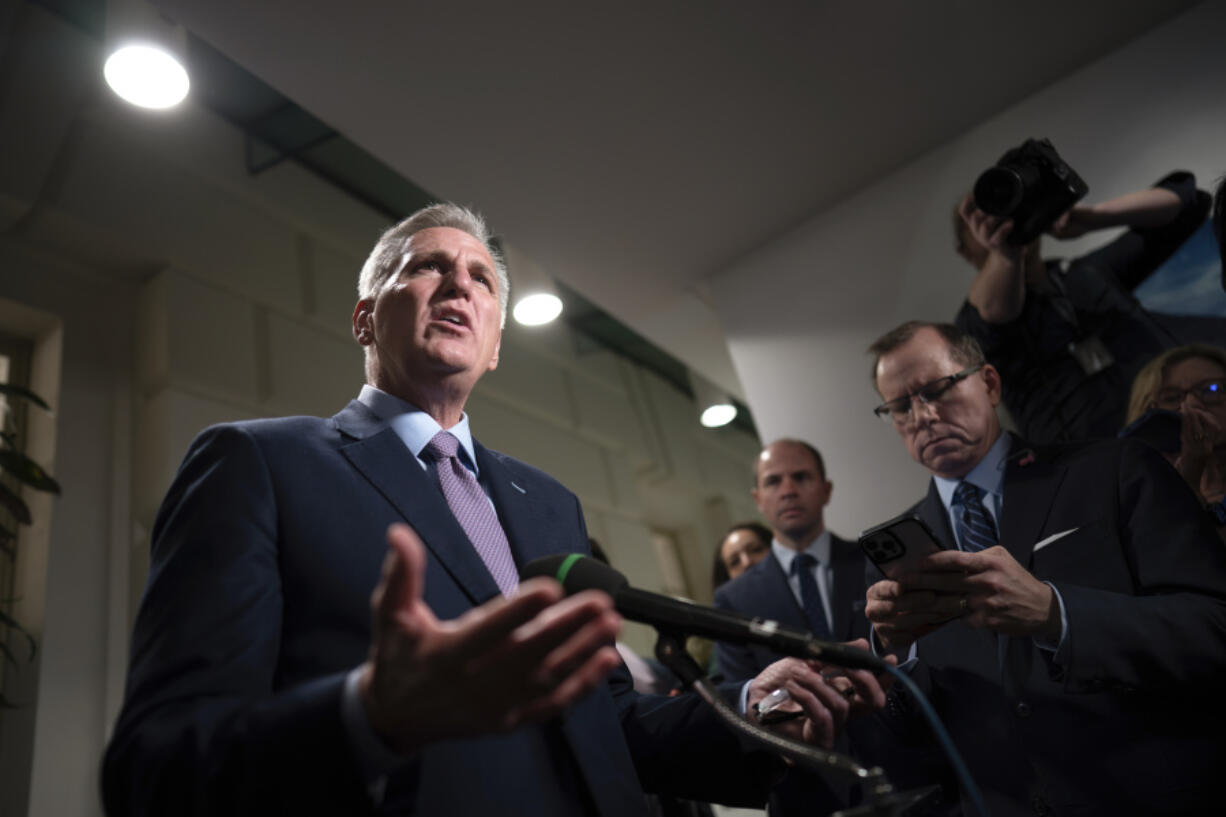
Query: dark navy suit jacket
pixel 763 591
pixel 265 553
pixel 1133 721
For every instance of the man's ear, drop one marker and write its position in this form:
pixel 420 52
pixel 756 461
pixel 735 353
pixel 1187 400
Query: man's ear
pixel 991 379
pixel 363 326
pixel 829 491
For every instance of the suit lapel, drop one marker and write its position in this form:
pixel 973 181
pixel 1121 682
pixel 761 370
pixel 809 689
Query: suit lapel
pixel 932 512
pixel 778 602
pixel 1029 491
pixel 520 508
pixel 381 457
pixel 847 572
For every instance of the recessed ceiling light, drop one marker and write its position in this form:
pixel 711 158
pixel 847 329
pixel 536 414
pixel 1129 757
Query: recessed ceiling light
pixel 720 414
pixel 147 76
pixel 537 309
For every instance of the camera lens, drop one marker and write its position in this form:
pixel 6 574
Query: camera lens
pixel 999 191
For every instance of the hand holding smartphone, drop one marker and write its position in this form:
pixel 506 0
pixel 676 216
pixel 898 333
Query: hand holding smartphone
pixel 897 546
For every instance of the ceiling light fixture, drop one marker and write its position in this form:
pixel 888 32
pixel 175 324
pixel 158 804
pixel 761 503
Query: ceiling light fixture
pixel 715 406
pixel 145 62
pixel 537 308
pixel 535 297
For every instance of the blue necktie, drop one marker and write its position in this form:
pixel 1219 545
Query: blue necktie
pixel 810 596
pixel 976 531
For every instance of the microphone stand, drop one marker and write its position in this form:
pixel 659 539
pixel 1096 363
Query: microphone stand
pixel 880 799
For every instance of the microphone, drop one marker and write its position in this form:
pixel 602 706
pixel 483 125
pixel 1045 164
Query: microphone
pixel 576 572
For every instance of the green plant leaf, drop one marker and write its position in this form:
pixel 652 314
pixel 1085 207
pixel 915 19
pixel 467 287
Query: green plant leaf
pixel 28 471
pixel 12 624
pixel 22 393
pixel 16 507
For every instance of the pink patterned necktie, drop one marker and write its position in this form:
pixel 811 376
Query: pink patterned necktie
pixel 473 510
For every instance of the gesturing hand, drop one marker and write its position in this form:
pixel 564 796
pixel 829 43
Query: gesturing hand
pixel 505 663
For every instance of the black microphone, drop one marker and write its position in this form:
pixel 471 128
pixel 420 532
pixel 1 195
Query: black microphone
pixel 577 572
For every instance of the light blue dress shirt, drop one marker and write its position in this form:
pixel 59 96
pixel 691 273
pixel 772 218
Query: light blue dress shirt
pixel 415 427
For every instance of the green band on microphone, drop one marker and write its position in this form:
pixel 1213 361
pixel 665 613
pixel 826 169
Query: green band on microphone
pixel 566 565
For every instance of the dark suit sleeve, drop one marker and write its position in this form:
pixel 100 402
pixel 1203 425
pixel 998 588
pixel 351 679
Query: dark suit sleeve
pixel 1172 631
pixel 1132 257
pixel 736 662
pixel 202 730
pixel 681 748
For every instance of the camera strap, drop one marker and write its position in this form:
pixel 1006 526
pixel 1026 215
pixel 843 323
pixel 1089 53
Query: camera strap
pixel 1090 352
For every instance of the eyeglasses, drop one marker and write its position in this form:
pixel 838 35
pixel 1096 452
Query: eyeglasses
pixel 1209 392
pixel 898 411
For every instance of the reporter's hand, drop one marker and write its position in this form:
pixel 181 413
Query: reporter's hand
pixel 505 663
pixel 993 590
pixel 990 231
pixel 826 696
pixel 901 615
pixel 1199 433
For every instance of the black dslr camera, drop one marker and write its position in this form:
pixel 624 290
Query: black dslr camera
pixel 1032 185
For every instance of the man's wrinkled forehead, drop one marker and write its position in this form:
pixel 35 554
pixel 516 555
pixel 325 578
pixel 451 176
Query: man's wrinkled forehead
pixel 444 244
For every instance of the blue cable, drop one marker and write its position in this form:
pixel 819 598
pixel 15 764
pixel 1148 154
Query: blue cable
pixel 969 789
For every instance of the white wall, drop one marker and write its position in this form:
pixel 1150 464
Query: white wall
pixel 800 311
pixel 176 291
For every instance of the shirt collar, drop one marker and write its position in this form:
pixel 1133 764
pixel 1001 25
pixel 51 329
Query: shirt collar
pixel 819 549
pixel 988 474
pixel 414 426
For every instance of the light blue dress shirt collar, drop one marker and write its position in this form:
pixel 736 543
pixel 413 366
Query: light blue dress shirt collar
pixel 414 426
pixel 988 475
pixel 819 549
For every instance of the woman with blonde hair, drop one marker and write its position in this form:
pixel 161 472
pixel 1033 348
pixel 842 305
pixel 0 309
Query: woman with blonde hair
pixel 1191 380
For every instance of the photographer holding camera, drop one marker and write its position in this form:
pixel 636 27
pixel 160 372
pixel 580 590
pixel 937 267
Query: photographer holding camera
pixel 1068 336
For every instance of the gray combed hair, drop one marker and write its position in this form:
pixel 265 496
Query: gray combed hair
pixel 384 260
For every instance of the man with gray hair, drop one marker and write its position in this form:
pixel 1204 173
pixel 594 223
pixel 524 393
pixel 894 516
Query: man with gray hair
pixel 266 676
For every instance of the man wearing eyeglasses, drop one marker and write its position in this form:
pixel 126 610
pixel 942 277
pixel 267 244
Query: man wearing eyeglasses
pixel 1072 633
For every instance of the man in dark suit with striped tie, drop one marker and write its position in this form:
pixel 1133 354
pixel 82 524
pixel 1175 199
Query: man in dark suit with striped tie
pixel 1072 633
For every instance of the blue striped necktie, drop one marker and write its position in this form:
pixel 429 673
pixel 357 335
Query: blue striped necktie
pixel 976 530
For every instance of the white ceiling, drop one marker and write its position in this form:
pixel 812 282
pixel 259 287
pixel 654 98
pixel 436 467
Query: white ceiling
pixel 634 149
